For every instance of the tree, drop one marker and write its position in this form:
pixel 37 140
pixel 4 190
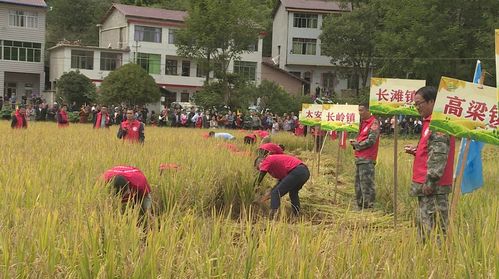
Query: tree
pixel 76 87
pixel 217 32
pixel 129 84
pixel 350 39
pixel 430 38
pixel 82 27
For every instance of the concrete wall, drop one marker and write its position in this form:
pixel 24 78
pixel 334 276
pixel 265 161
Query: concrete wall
pixel 280 35
pixel 110 31
pixel 36 35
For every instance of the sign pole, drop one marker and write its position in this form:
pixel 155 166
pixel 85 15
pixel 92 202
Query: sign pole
pixel 337 169
pixel 457 184
pixel 395 171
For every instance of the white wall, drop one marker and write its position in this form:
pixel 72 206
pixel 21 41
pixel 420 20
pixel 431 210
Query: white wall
pixel 110 31
pixel 280 35
pixel 25 35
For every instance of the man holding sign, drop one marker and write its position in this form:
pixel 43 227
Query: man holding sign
pixel 432 168
pixel 366 151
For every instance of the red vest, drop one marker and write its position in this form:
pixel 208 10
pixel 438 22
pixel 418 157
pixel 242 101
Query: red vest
pixel 99 119
pixel 64 118
pixel 138 182
pixel 132 129
pixel 370 153
pixel 300 129
pixel 420 167
pixel 20 120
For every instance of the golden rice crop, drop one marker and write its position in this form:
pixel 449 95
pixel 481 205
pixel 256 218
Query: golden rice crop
pixel 58 221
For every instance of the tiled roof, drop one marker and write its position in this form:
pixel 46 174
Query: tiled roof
pixel 315 5
pixel 34 3
pixel 151 13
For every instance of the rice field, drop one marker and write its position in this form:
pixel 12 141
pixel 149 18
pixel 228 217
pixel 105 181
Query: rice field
pixel 58 219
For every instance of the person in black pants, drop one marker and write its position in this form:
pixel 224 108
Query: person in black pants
pixel 291 174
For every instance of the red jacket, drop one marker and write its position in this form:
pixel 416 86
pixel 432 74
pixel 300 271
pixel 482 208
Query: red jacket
pixel 99 119
pixel 138 182
pixel 370 153
pixel 300 129
pixel 132 130
pixel 420 166
pixel 19 120
pixel 62 119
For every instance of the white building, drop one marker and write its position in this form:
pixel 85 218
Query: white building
pixel 22 46
pixel 296 46
pixel 145 36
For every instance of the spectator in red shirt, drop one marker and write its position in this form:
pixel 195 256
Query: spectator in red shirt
pixel 291 174
pixel 131 184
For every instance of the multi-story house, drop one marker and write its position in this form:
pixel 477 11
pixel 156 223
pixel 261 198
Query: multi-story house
pixel 146 36
pixel 296 43
pixel 22 44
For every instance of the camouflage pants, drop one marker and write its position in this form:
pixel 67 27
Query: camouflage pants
pixel 364 185
pixel 432 213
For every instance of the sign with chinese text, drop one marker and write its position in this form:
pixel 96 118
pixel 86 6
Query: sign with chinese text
pixel 340 118
pixel 464 109
pixel 311 114
pixel 393 96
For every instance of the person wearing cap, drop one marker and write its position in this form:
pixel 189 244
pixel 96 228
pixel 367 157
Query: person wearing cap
pixel 291 174
pixel 225 136
pixel 131 130
pixel 19 119
pixel 131 185
pixel 62 117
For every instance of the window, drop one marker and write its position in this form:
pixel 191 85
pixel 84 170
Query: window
pixel 171 36
pixel 81 59
pixel 253 47
pixel 304 46
pixel 150 62
pixel 201 70
pixel 171 67
pixel 22 51
pixel 23 19
pixel 186 68
pixel 147 34
pixel 110 61
pixel 305 20
pixel 245 69
pixel 184 97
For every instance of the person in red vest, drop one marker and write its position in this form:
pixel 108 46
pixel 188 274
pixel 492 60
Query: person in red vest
pixel 291 174
pixel 366 150
pixel 19 119
pixel 131 185
pixel 102 118
pixel 131 130
pixel 62 117
pixel 432 169
pixel 299 129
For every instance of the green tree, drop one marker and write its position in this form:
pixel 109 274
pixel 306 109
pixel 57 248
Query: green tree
pixel 75 87
pixel 350 39
pixel 217 32
pixel 60 25
pixel 431 38
pixel 275 98
pixel 129 84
